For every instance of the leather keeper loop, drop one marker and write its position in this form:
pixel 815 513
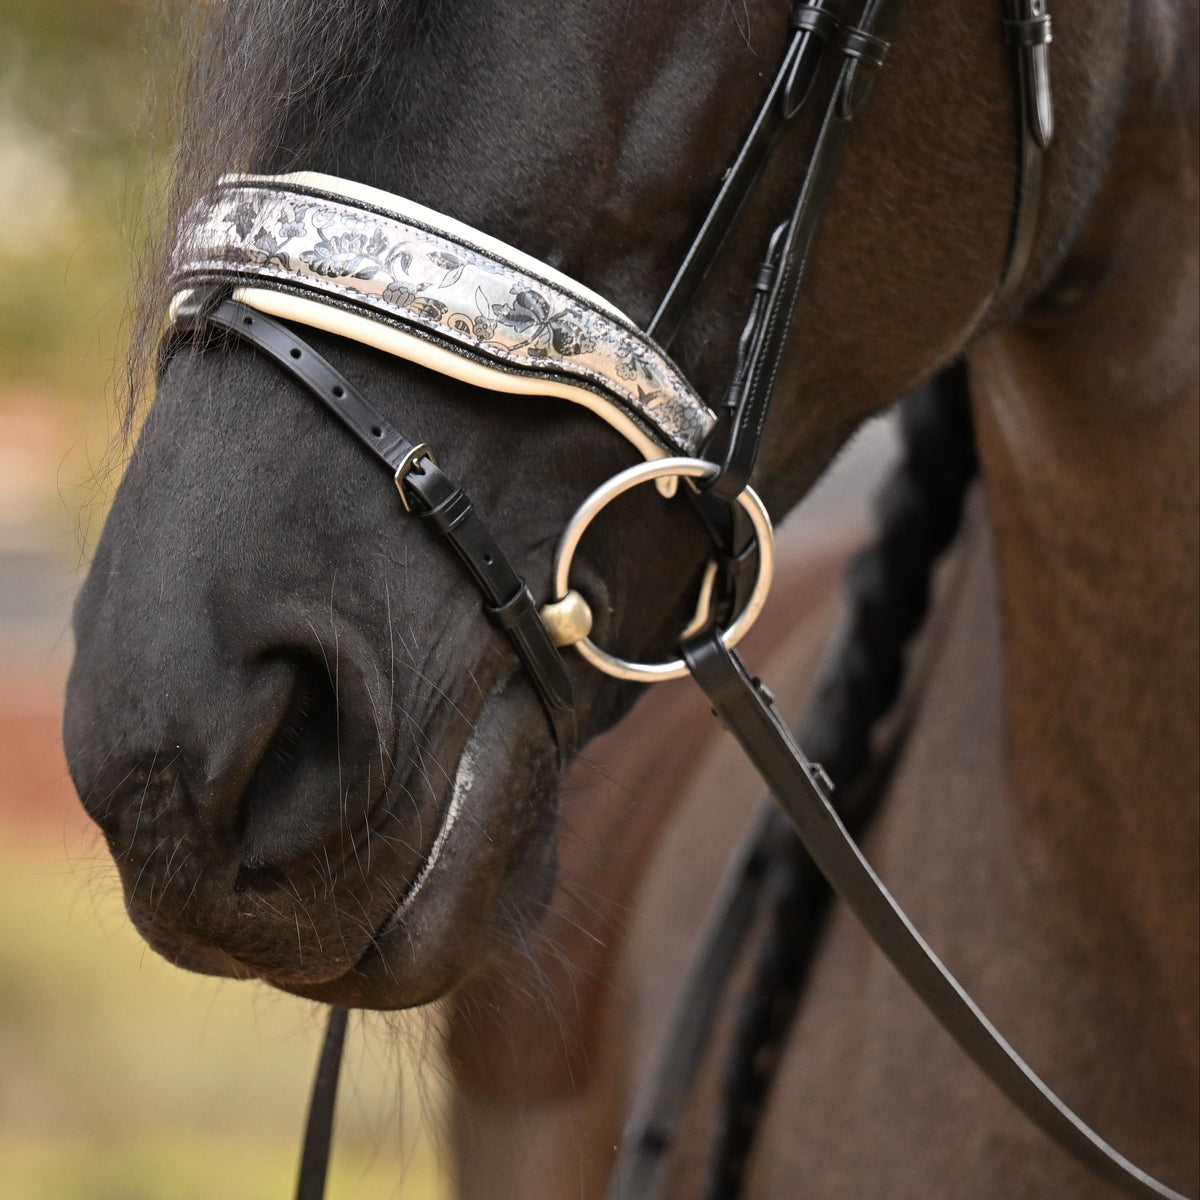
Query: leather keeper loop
pixel 864 56
pixel 809 21
pixel 857 43
pixel 451 512
pixel 1034 31
pixel 816 18
pixel 508 615
pixel 518 618
pixel 764 276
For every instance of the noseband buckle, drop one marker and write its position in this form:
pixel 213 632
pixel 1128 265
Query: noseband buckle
pixel 419 452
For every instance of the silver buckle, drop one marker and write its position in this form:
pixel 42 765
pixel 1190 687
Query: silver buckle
pixel 419 452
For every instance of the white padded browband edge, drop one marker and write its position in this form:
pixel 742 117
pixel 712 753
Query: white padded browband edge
pixel 381 270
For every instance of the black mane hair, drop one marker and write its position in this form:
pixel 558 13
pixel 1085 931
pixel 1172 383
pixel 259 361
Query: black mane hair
pixel 259 77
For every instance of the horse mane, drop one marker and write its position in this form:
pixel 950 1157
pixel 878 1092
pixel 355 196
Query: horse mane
pixel 258 78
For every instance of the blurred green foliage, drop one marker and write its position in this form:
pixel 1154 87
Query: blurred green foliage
pixel 81 150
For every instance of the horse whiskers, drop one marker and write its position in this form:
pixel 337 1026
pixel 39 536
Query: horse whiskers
pixel 522 977
pixel 146 864
pixel 100 810
pixel 191 893
pixel 169 874
pixel 573 888
pixel 563 913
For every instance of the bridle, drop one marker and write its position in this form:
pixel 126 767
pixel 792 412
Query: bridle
pixel 359 263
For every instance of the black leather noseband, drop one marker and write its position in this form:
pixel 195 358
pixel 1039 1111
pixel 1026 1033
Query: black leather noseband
pixel 424 487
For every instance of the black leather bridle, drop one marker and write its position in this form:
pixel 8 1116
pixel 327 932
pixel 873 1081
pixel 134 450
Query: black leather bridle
pixel 857 50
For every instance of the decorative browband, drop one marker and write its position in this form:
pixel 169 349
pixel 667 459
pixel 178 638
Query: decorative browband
pixel 368 265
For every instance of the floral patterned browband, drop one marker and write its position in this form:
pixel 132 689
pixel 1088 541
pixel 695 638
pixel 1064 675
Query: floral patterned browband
pixel 380 269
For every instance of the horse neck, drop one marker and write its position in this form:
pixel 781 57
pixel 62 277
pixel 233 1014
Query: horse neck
pixel 1087 426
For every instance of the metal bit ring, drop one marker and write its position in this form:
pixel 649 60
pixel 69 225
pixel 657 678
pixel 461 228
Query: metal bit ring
pixel 688 468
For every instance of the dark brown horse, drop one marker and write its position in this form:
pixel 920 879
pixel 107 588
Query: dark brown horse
pixel 282 685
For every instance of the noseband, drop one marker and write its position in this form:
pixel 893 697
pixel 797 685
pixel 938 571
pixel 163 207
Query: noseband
pixel 362 264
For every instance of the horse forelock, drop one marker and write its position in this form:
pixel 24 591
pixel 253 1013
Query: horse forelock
pixel 258 76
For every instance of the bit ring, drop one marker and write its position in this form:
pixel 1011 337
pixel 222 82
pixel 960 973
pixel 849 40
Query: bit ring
pixel 659 468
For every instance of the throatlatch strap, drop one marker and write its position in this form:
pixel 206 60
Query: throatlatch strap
pixel 433 494
pixel 745 707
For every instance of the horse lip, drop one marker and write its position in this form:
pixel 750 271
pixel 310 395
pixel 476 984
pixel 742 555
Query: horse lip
pixel 192 953
pixel 464 780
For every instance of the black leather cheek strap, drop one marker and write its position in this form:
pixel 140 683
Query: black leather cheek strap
pixel 428 489
pixel 1027 31
pixel 508 602
pixel 736 439
pixel 744 706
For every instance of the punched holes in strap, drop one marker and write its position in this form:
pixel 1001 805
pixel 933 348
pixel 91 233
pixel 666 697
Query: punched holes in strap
pixel 325 382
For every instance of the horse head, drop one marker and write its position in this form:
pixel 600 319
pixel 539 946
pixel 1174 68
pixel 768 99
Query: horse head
pixel 313 761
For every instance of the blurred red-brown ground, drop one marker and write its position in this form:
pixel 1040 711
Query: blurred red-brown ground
pixel 36 795
pixel 37 801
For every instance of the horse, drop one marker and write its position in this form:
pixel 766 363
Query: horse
pixel 283 690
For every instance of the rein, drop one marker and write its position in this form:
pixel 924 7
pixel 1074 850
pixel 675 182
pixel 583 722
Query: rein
pixel 356 262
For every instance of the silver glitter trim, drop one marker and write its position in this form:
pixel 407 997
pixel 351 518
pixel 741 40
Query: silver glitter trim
pixel 434 279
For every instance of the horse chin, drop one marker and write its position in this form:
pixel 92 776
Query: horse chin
pixel 192 955
pixel 486 875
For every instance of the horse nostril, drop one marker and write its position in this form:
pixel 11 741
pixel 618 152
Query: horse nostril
pixel 311 713
pixel 292 800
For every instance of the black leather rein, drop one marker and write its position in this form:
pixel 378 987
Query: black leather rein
pixel 803 791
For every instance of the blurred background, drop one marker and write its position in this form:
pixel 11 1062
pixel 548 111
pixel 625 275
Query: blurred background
pixel 121 1078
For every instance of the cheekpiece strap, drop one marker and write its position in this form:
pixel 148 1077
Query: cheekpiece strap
pixel 378 268
pixel 737 437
